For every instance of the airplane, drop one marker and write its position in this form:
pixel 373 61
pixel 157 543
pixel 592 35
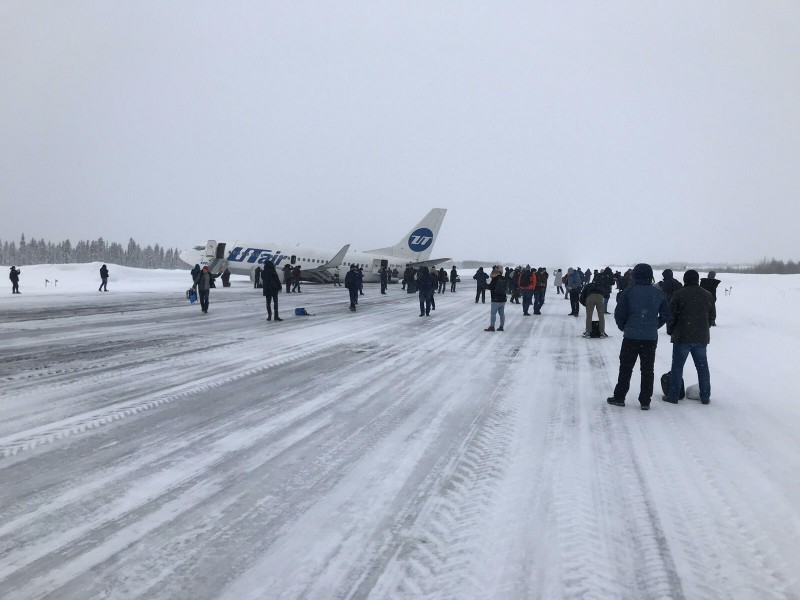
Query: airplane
pixel 243 258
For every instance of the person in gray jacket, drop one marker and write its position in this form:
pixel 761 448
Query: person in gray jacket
pixel 203 284
pixel 692 311
pixel 641 310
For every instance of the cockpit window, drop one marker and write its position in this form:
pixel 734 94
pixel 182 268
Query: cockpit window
pixel 199 247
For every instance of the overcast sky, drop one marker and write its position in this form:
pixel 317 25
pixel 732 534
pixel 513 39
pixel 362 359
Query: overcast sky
pixel 553 132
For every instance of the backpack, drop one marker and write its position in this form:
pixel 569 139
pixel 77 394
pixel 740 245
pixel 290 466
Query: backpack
pixel 595 331
pixel 525 278
pixel 501 286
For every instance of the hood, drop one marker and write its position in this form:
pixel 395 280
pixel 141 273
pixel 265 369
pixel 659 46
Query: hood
pixel 643 273
pixel 667 274
pixel 691 277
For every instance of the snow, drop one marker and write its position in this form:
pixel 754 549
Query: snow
pixel 150 451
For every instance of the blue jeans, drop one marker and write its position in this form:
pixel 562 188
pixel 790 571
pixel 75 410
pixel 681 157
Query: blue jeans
pixel 527 297
pixel 538 302
pixel 499 308
pixel 680 352
pixel 425 299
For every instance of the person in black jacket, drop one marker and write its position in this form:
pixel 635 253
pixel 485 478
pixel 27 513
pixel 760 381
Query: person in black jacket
pixel 195 272
pixel 497 288
pixel 384 274
pixel 540 291
pixel 351 282
pixel 14 277
pixel 692 311
pixel 481 277
pixel 592 298
pixel 257 282
pixel 103 279
pixel 203 284
pixel 453 279
pixel 271 287
pixel 710 284
pixel 287 277
pixel 425 285
pixel 669 285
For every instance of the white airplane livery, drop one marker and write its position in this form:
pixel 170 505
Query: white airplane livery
pixel 243 258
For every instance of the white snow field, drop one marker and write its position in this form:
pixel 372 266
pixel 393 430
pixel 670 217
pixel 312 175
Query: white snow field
pixel 150 451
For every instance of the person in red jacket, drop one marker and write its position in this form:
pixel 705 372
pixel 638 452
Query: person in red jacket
pixel 527 284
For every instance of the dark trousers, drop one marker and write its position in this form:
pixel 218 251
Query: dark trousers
pixel 538 302
pixel 104 284
pixel 383 287
pixel 203 295
pixel 481 293
pixel 353 295
pixel 288 283
pixel 453 286
pixel 527 296
pixel 296 285
pixel 680 352
pixel 574 300
pixel 274 297
pixel 425 299
pixel 15 287
pixel 645 351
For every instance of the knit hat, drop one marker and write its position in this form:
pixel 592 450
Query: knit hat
pixel 643 273
pixel 691 277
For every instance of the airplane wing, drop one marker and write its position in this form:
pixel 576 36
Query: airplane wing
pixel 430 263
pixel 322 273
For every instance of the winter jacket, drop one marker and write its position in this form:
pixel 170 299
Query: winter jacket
pixel 14 274
pixel 669 285
pixel 287 273
pixel 541 281
pixel 692 310
pixel 591 288
pixel 481 277
pixel 574 281
pixel 496 296
pixel 425 282
pixel 203 281
pixel 351 280
pixel 642 308
pixel 557 278
pixel 104 272
pixel 270 281
pixel 195 272
pixel 710 284
pixel 531 284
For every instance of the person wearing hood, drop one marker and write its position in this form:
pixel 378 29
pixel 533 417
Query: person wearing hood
pixel 481 278
pixel 691 312
pixel 425 285
pixel 710 284
pixel 669 285
pixel 641 310
pixel 103 279
pixel 14 277
pixel 195 272
pixel 271 287
pixel 203 284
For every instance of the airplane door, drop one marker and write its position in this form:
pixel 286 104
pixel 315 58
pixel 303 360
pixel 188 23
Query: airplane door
pixel 376 265
pixel 211 250
pixel 221 250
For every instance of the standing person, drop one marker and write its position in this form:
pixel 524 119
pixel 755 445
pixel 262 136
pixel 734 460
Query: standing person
pixel 203 284
pixel 384 274
pixel 226 278
pixel 592 298
pixel 557 275
pixel 641 310
pixel 481 277
pixel 691 312
pixel 360 281
pixel 103 279
pixel 442 280
pixel 574 286
pixel 257 282
pixel 271 287
pixel 497 289
pixel 669 285
pixel 527 283
pixel 287 277
pixel 710 284
pixel 14 277
pixel 425 285
pixel 453 279
pixel 336 280
pixel 606 279
pixel 540 291
pixel 512 276
pixel 351 283
pixel 296 273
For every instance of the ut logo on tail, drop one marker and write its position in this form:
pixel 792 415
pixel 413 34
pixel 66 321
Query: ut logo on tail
pixel 420 239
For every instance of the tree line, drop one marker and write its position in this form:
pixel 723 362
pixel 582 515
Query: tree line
pixel 37 252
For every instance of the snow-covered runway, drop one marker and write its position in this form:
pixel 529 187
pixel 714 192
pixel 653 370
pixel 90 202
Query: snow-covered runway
pixel 149 451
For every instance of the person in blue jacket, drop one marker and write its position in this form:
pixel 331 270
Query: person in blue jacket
pixel 481 277
pixel 351 282
pixel 641 310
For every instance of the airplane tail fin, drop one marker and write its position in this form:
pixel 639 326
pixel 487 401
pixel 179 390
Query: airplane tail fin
pixel 417 244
